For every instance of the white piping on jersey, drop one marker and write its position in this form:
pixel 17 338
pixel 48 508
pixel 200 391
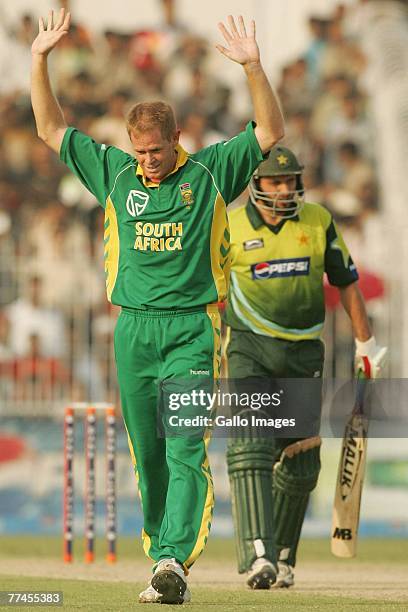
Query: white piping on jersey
pixel 241 316
pixel 117 176
pixel 192 160
pixel 230 140
pixel 336 247
pixel 209 172
pixel 269 324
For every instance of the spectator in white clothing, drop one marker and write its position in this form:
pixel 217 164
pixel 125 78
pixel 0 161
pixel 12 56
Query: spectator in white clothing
pixel 28 317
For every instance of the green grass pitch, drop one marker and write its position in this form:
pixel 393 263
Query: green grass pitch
pixel 376 580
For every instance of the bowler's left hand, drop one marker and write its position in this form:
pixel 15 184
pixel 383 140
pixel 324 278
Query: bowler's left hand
pixel 242 47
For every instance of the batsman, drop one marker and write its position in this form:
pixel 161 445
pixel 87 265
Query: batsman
pixel 281 246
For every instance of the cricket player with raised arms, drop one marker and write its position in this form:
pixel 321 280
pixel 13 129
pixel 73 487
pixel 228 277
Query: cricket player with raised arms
pixel 167 262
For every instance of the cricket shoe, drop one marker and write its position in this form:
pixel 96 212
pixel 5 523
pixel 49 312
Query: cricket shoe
pixel 285 577
pixel 262 574
pixel 150 595
pixel 170 583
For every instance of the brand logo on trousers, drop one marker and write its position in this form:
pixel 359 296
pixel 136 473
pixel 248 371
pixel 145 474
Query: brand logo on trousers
pixel 136 202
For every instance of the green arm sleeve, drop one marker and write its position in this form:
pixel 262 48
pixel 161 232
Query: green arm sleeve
pixel 233 162
pixel 96 165
pixel 338 264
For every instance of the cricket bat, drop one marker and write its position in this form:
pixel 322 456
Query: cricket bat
pixel 350 479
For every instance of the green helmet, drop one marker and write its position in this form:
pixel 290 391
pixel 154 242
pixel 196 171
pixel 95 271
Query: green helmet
pixel 281 161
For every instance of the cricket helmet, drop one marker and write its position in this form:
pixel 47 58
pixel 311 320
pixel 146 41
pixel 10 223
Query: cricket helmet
pixel 281 161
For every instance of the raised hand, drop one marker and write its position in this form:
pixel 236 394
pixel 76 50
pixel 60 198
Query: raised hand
pixel 242 48
pixel 48 37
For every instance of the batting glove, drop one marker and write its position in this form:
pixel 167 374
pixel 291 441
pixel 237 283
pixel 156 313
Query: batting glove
pixel 370 358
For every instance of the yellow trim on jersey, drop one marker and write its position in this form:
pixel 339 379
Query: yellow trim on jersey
pixel 220 248
pixel 205 526
pixel 182 158
pixel 112 248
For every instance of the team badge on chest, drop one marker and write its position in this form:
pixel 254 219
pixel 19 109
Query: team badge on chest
pixel 136 202
pixel 186 194
pixel 303 239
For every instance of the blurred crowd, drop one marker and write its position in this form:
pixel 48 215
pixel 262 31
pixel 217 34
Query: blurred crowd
pixel 55 324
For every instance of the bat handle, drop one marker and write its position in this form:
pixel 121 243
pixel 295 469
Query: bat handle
pixel 360 392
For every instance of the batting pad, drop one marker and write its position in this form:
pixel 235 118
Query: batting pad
pixel 294 477
pixel 250 469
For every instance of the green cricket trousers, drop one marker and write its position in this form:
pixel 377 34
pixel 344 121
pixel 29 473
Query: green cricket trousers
pixel 173 473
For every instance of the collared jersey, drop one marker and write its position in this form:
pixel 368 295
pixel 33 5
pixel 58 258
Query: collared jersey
pixel 277 272
pixel 166 244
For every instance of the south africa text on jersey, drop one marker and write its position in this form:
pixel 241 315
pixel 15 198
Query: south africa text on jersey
pixel 158 236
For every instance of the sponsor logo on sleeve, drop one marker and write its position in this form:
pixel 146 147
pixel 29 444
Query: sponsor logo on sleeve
pixel 280 268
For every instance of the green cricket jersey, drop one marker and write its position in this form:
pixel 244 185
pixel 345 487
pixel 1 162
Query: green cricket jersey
pixel 167 245
pixel 277 272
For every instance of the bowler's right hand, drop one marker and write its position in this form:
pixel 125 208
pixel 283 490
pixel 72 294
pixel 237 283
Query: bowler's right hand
pixel 48 37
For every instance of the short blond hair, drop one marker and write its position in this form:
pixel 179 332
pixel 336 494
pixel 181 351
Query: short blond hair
pixel 147 116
